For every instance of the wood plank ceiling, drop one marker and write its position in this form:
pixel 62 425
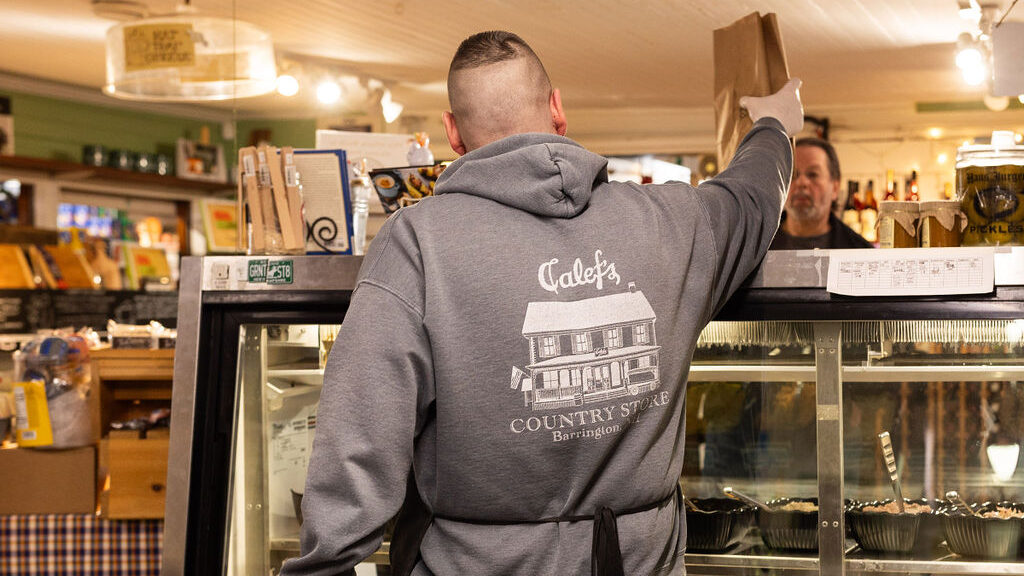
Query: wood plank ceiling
pixel 636 76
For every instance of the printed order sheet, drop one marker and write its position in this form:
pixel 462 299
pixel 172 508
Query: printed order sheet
pixel 911 271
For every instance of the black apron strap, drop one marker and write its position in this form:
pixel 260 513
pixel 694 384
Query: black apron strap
pixel 411 525
pixel 605 555
pixel 414 519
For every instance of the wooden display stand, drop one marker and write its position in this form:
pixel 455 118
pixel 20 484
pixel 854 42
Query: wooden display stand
pixel 131 384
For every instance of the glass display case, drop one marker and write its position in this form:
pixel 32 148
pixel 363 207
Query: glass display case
pixel 789 390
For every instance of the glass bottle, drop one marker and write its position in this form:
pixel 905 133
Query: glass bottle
pixel 911 188
pixel 890 185
pixel 361 190
pixel 851 211
pixel 419 151
pixel 869 214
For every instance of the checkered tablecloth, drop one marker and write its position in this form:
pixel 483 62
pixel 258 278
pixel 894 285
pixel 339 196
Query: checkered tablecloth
pixel 79 545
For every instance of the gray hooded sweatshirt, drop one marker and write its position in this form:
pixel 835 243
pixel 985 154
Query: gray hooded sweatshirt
pixel 521 341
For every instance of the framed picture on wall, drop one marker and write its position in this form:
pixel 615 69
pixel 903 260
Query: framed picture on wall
pixel 220 225
pixel 195 161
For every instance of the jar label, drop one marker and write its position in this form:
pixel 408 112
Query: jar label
pixel 885 232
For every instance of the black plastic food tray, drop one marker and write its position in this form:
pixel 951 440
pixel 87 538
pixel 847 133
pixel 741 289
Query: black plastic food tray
pixel 789 530
pixel 983 537
pixel 895 533
pixel 719 524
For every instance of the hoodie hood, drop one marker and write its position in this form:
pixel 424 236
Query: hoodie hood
pixel 544 174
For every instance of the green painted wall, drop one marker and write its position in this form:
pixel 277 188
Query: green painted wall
pixel 58 129
pixel 294 133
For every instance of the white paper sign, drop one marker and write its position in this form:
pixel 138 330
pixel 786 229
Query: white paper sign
pixel 380 150
pixel 910 271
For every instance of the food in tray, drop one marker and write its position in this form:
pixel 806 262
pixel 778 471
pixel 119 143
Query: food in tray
pixel 994 533
pixel 880 527
pixel 797 507
pixel 1003 512
pixel 789 524
pixel 893 508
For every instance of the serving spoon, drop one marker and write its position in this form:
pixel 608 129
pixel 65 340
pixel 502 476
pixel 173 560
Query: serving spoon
pixel 954 497
pixel 890 465
pixel 731 493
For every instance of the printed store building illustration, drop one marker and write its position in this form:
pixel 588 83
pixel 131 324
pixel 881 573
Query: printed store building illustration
pixel 588 350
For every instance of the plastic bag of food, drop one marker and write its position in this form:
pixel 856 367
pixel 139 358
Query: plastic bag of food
pixel 51 395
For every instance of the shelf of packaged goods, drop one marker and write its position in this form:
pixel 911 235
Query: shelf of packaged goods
pixel 752 373
pixel 73 171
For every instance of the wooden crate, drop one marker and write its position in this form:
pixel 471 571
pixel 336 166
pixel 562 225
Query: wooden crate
pixel 133 470
pixel 136 468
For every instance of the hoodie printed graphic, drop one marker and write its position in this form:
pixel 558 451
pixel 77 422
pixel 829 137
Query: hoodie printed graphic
pixel 521 341
pixel 584 353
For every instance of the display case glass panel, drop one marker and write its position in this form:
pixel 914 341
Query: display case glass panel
pixel 948 394
pixel 278 389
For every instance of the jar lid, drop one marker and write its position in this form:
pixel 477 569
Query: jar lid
pixel 899 206
pixel 1002 151
pixel 934 205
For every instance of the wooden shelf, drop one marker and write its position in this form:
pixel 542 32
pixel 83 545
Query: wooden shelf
pixel 74 171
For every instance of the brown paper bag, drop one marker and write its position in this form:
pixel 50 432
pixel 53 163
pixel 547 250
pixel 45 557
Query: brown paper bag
pixel 749 61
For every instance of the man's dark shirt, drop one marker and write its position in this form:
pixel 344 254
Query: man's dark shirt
pixel 839 236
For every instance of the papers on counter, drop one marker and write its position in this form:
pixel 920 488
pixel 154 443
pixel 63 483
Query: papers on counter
pixel 911 271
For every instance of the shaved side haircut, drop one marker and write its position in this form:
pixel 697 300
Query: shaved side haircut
pixel 497 86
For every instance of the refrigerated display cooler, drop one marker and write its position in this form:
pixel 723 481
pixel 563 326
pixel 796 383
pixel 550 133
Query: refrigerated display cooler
pixel 789 390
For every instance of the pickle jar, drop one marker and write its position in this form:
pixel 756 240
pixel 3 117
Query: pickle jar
pixel 941 223
pixel 990 188
pixel 897 224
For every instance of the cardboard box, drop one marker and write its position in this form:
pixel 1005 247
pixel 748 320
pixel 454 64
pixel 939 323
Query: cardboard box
pixel 48 481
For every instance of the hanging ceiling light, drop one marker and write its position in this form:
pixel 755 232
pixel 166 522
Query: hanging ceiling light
pixel 389 107
pixel 972 59
pixel 287 85
pixel 328 92
pixel 187 57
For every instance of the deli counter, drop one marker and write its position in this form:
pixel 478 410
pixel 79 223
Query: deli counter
pixel 790 389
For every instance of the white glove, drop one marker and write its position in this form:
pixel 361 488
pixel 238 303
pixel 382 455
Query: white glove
pixel 784 106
